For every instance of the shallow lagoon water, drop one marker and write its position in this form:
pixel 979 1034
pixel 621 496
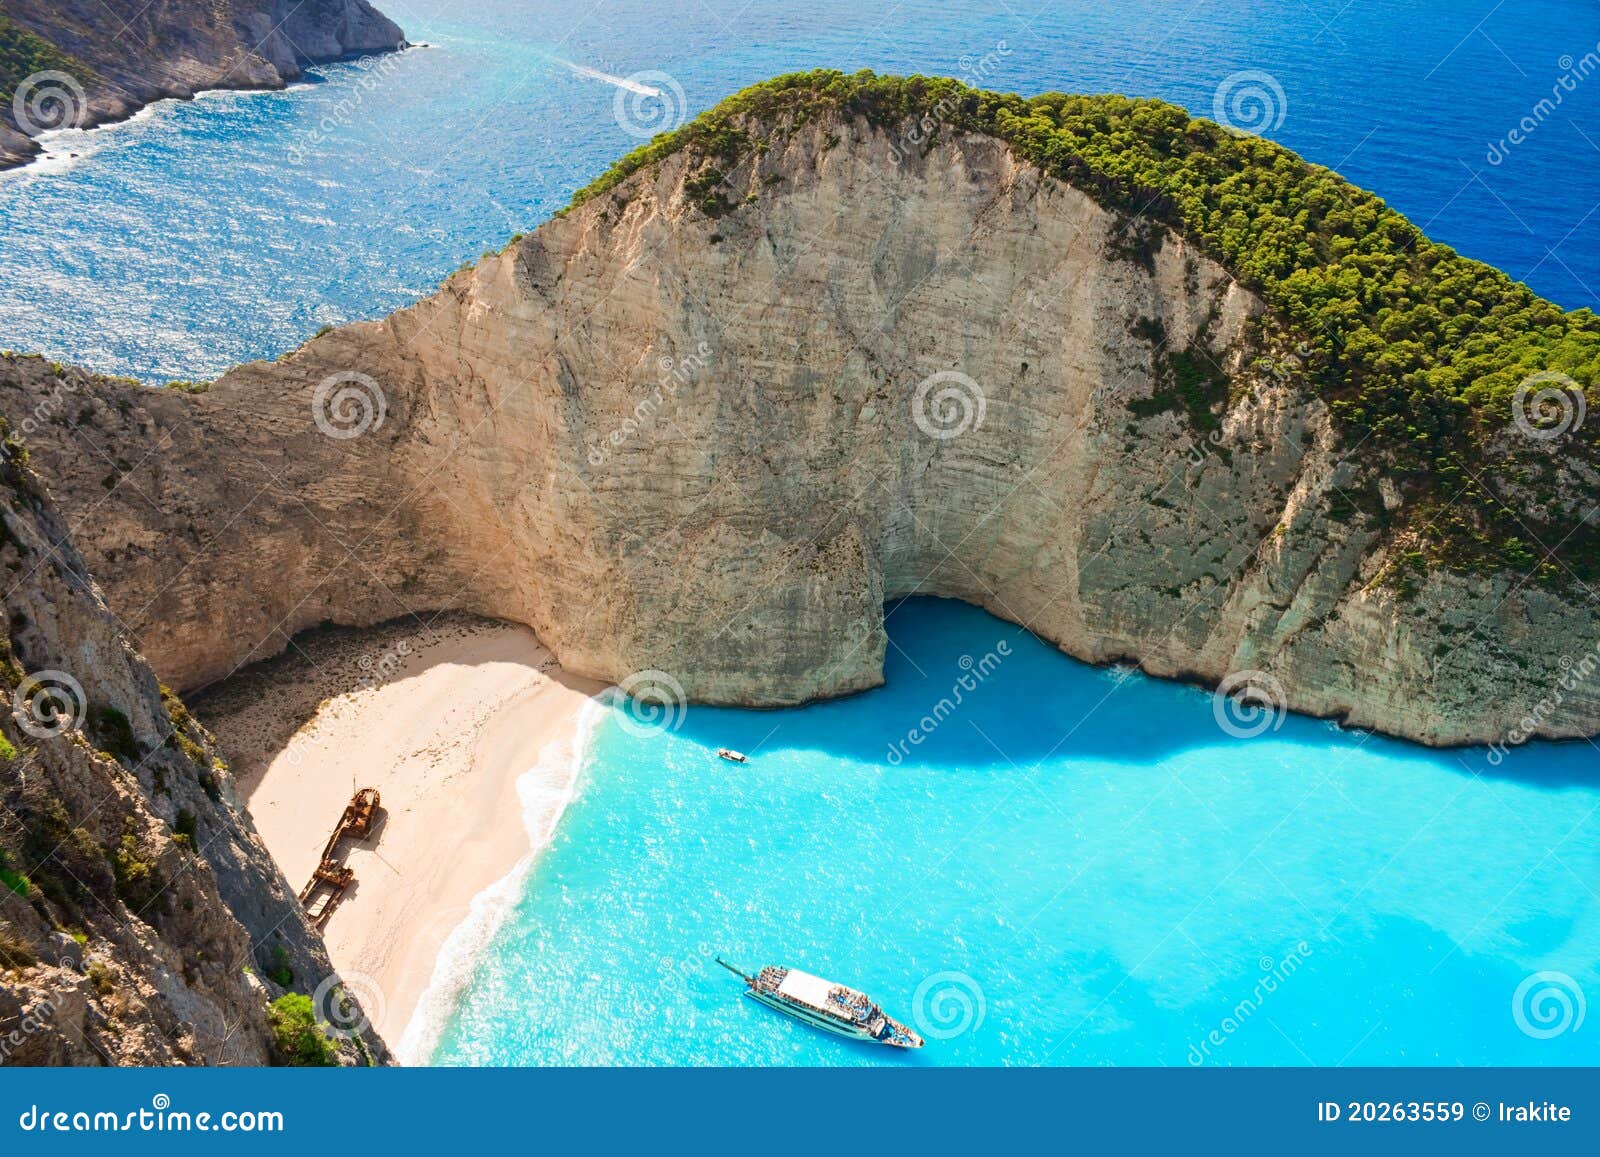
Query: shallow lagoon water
pixel 1077 866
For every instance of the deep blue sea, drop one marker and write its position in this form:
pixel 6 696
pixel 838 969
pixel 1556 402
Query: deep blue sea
pixel 232 228
pixel 1078 866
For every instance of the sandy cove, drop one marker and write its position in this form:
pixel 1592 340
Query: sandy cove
pixel 443 720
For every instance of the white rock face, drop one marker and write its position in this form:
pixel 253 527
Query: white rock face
pixel 692 445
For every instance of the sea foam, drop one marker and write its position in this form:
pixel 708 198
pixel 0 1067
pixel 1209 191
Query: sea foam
pixel 545 791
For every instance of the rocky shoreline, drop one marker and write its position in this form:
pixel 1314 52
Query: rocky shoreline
pixel 67 67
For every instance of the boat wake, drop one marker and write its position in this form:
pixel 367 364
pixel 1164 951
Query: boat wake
pixel 622 82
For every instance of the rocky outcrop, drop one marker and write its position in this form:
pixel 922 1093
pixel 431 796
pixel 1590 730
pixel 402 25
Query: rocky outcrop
pixel 124 54
pixel 706 436
pixel 142 921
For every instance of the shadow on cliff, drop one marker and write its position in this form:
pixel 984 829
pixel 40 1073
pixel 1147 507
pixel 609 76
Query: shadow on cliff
pixel 964 689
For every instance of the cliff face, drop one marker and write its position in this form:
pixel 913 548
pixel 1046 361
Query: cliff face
pixel 709 433
pixel 142 921
pixel 124 54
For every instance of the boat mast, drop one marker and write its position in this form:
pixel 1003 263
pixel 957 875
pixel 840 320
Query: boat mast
pixel 735 971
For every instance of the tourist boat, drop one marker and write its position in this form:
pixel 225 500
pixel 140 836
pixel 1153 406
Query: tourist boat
pixel 733 756
pixel 825 1005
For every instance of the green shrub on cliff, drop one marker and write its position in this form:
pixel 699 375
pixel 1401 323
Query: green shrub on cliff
pixel 1418 351
pixel 139 884
pixel 12 879
pixel 22 54
pixel 299 1038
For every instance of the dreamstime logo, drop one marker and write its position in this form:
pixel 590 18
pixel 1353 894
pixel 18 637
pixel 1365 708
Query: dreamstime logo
pixel 47 101
pixel 35 1019
pixel 1548 405
pixel 1250 102
pixel 349 1003
pixel 948 404
pixel 648 103
pixel 659 703
pixel 347 405
pixel 1198 451
pixel 948 1004
pixel 48 703
pixel 1248 703
pixel 1548 1004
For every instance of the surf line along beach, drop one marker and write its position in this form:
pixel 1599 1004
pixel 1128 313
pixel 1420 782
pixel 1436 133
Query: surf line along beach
pixel 470 731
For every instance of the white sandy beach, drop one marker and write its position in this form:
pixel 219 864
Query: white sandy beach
pixel 443 722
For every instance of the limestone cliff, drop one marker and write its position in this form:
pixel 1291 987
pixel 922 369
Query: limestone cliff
pixel 120 55
pixel 708 421
pixel 142 921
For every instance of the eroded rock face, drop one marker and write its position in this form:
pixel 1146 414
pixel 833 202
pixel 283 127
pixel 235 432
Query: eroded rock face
pixel 142 920
pixel 713 446
pixel 141 51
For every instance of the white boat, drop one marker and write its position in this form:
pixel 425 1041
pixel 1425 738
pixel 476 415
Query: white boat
pixel 733 756
pixel 823 1004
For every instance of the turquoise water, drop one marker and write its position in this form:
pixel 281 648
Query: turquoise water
pixel 1078 866
pixel 232 228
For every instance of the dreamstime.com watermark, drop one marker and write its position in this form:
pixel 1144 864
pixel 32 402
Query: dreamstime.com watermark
pixel 376 670
pixel 648 703
pixel 674 375
pixel 974 72
pixel 160 1117
pixel 1548 405
pixel 347 405
pixel 1274 974
pixel 975 672
pixel 1249 703
pixel 648 103
pixel 46 409
pixel 373 71
pixel 36 1020
pixel 1573 73
pixel 948 404
pixel 1574 674
pixel 346 1003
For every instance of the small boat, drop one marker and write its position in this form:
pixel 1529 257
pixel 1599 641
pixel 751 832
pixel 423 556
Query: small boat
pixel 825 1005
pixel 733 756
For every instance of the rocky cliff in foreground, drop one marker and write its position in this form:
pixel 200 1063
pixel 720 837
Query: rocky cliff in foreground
pixel 142 921
pixel 809 358
pixel 79 63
